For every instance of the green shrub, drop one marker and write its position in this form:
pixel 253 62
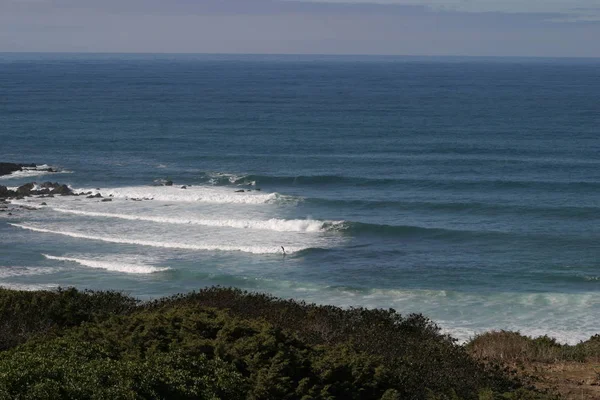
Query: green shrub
pixel 228 344
pixel 24 314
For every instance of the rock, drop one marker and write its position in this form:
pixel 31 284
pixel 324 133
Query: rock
pixel 9 168
pixel 184 187
pixel 94 196
pixel 25 190
pixel 43 204
pixel 4 192
pixel 40 192
pixel 50 185
pixel 9 213
pixel 63 190
pixel 169 183
pixel 105 200
pixel 240 191
pixel 258 190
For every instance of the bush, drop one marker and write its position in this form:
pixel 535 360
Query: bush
pixel 225 343
pixel 24 314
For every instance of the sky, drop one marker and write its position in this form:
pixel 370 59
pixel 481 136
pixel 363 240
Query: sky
pixel 532 28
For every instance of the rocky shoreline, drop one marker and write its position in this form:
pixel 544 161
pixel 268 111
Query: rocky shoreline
pixel 46 189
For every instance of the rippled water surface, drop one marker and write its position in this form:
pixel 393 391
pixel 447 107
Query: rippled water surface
pixel 466 189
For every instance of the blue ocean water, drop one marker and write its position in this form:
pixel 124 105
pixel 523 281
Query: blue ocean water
pixel 465 189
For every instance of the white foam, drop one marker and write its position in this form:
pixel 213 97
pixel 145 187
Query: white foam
pixel 464 315
pixel 191 194
pixel 168 245
pixel 32 172
pixel 278 225
pixel 26 203
pixel 9 272
pixel 218 177
pixel 111 265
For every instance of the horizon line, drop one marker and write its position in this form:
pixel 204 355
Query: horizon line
pixel 298 54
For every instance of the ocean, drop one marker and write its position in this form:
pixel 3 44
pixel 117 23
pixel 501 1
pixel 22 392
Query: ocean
pixel 466 189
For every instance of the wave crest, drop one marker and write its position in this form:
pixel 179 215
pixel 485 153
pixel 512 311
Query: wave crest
pixel 278 225
pixel 111 265
pixel 168 245
pixel 192 194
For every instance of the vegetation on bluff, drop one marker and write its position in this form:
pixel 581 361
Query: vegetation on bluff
pixel 228 344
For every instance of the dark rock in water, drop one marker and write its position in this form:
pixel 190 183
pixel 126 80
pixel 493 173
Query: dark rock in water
pixel 105 200
pixel 63 190
pixel 40 192
pixel 4 192
pixel 258 190
pixel 240 191
pixel 25 190
pixel 43 204
pixel 50 185
pixel 9 213
pixel 94 196
pixel 184 187
pixel 9 168
pixel 169 183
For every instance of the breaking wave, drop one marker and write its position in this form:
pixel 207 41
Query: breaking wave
pixel 168 245
pixel 278 225
pixel 111 265
pixel 191 194
pixel 39 170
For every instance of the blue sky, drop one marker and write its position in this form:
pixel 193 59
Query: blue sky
pixel 552 28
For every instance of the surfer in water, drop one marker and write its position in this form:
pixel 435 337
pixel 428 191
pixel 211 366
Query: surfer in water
pixel 282 249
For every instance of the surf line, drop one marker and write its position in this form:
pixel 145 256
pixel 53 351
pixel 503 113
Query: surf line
pixel 185 246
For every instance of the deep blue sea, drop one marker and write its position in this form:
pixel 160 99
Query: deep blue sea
pixel 464 189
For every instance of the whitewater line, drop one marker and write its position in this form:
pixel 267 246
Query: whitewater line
pixel 190 194
pixel 273 224
pixel 111 266
pixel 167 245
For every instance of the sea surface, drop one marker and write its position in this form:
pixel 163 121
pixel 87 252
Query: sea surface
pixel 466 189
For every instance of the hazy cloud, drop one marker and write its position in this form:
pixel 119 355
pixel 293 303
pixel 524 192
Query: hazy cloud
pixel 428 27
pixel 586 9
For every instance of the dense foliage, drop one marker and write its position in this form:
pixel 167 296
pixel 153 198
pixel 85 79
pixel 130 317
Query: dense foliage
pixel 228 344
